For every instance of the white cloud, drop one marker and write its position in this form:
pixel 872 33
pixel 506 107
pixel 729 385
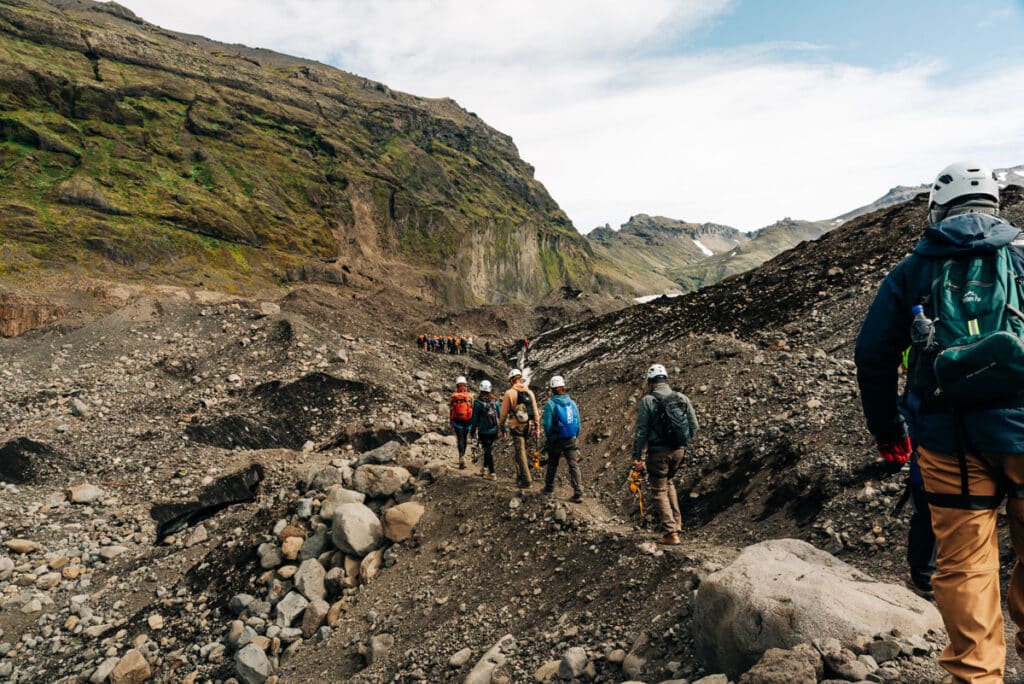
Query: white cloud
pixel 617 122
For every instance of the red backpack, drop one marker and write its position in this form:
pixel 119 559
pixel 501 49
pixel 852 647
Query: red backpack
pixel 462 407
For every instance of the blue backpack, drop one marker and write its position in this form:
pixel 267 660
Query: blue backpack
pixel 566 421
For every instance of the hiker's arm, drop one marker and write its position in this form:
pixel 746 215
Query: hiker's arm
pixel 506 404
pixel 692 416
pixel 878 355
pixel 642 430
pixel 549 409
pixel 475 419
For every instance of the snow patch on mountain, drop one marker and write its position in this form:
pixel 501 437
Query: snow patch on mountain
pixel 701 247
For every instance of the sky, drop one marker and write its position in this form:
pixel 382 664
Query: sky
pixel 739 112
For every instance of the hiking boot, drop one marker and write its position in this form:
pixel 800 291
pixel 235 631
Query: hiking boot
pixel 577 498
pixel 671 539
pixel 491 476
pixel 523 484
pixel 547 492
pixel 462 464
pixel 922 589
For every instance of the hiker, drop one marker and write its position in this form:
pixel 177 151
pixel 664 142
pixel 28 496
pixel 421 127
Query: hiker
pixel 421 341
pixel 519 408
pixel 460 415
pixel 562 427
pixel 969 425
pixel 487 348
pixel 484 427
pixel 921 549
pixel 463 348
pixel 665 423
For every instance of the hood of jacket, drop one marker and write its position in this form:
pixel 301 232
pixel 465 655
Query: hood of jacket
pixel 561 399
pixel 966 234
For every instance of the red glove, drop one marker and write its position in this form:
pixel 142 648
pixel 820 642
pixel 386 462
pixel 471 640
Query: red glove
pixel 896 452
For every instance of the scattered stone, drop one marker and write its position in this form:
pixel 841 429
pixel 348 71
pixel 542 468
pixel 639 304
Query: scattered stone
pixel 270 555
pixel 85 494
pixel 314 617
pixel 131 669
pixel 155 621
pixel 573 663
pixel 269 309
pixel 494 658
pixel 112 551
pixel 883 651
pixel 309 580
pixel 291 547
pixel 376 647
pixel 399 521
pixel 198 536
pixel 380 480
pixel 460 658
pixel 252 664
pixel 6 568
pixel 370 566
pixel 22 546
pixel 336 496
pixel 289 608
pixel 546 673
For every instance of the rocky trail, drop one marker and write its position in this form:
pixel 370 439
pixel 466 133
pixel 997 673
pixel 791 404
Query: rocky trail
pixel 223 489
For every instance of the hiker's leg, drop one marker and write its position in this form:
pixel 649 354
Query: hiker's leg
pixel 920 539
pixel 522 466
pixel 967 581
pixel 572 462
pixel 487 442
pixel 554 453
pixel 462 439
pixel 657 471
pixel 1013 467
pixel 674 460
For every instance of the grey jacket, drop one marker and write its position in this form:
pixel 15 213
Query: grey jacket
pixel 648 428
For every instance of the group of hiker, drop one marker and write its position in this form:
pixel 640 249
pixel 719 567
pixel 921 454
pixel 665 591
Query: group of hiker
pixel 665 423
pixel 440 344
pixel 951 314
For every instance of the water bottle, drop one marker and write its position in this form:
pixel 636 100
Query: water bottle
pixel 922 330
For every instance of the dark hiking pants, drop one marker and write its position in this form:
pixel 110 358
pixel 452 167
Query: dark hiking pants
pixel 567 449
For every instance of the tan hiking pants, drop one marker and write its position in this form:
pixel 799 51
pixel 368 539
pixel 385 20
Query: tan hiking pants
pixel 519 456
pixel 661 468
pixel 967 582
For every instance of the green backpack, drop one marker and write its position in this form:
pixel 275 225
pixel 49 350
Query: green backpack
pixel 979 330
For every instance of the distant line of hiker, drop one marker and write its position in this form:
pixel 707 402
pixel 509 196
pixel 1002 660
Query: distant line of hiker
pixel 665 424
pixel 452 344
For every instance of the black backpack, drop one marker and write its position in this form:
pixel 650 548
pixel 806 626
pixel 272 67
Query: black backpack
pixel 673 418
pixel 524 406
pixel 488 416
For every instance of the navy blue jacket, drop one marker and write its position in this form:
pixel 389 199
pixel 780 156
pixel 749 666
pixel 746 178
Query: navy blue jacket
pixel 886 333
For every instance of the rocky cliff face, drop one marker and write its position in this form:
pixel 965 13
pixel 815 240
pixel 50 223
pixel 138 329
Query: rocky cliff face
pixel 132 152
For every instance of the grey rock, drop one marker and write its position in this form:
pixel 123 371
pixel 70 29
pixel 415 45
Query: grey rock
pixel 197 536
pixel 781 593
pixel 713 679
pixel 380 480
pixel 6 568
pixel 309 580
pixel 382 455
pixel 304 509
pixel 573 663
pixel 102 673
pixel 460 658
pixel 252 665
pixel 85 494
pixel 289 608
pixel 80 409
pixel 356 530
pixel 884 650
pixel 336 496
pixel 270 555
pixel 240 602
pixel 326 477
pixel 376 647
pixel 313 617
pixel 494 658
pixel 314 545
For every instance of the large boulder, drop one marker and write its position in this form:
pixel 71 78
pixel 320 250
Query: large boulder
pixel 784 592
pixel 380 480
pixel 355 529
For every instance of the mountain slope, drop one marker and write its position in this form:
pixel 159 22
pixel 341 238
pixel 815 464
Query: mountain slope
pixel 647 250
pixel 179 159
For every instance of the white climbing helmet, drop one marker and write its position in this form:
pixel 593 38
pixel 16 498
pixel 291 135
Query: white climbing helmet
pixel 461 380
pixel 961 180
pixel 485 386
pixel 656 371
pixel 556 381
pixel 514 372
